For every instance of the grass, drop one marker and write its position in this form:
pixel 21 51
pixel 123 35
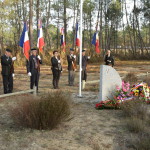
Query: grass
pixel 92 87
pixel 131 78
pixel 137 120
pixel 42 113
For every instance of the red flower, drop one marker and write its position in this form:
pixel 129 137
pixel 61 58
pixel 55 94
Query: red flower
pixel 98 105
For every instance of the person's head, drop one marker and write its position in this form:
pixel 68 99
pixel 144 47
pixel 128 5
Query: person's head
pixel 34 51
pixel 55 53
pixel 8 52
pixel 83 52
pixel 108 52
pixel 71 51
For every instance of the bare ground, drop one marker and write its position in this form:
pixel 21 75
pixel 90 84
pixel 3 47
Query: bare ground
pixel 89 129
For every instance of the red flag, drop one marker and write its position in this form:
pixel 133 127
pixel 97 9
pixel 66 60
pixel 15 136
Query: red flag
pixel 40 43
pixel 77 35
pixel 95 42
pixel 24 41
pixel 62 40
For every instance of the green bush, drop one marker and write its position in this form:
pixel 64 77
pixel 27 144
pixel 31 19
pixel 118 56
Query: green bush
pixel 42 113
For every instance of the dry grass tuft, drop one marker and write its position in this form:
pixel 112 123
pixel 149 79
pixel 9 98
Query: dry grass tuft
pixel 131 78
pixel 136 108
pixel 42 113
pixel 147 80
pixel 135 125
pixel 143 142
pixel 137 121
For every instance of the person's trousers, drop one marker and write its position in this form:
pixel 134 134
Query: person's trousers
pixel 7 83
pixel 84 75
pixel 71 76
pixel 56 77
pixel 34 79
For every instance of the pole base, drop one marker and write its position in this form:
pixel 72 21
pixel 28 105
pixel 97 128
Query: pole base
pixel 80 96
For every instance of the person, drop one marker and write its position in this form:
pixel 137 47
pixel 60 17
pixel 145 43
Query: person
pixel 7 71
pixel 109 60
pixel 71 58
pixel 84 68
pixel 56 69
pixel 33 68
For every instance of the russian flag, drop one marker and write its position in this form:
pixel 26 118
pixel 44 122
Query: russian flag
pixel 95 42
pixel 40 43
pixel 24 41
pixel 62 39
pixel 77 35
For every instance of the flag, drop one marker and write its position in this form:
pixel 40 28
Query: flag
pixel 77 35
pixel 40 43
pixel 24 41
pixel 62 39
pixel 95 42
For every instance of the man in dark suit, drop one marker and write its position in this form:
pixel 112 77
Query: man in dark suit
pixel 56 69
pixel 33 68
pixel 71 58
pixel 84 68
pixel 7 71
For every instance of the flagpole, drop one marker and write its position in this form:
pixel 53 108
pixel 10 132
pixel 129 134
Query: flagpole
pixel 80 72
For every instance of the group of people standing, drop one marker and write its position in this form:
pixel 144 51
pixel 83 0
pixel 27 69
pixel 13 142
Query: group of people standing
pixel 33 68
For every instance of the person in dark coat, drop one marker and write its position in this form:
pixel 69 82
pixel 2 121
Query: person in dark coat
pixel 33 68
pixel 71 58
pixel 7 71
pixel 84 68
pixel 56 69
pixel 109 60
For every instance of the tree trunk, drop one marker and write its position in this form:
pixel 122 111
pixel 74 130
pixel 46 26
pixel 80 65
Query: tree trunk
pixel 129 29
pixel 65 20
pixel 37 14
pixel 31 23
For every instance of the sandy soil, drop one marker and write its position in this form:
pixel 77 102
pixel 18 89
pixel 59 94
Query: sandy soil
pixel 89 129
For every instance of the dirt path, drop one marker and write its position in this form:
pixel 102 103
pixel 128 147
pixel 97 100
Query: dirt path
pixel 89 129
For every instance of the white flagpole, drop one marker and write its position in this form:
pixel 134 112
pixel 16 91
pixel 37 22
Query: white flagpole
pixel 80 72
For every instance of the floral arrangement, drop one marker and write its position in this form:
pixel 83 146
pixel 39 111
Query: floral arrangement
pixel 125 94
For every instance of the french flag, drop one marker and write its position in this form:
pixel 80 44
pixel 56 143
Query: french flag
pixel 77 35
pixel 62 39
pixel 40 43
pixel 95 42
pixel 24 41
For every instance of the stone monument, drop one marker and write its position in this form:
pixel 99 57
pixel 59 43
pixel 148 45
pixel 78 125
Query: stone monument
pixel 109 79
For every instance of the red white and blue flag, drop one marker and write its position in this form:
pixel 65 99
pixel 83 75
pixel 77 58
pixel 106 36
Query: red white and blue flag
pixel 24 41
pixel 95 42
pixel 40 43
pixel 77 35
pixel 62 39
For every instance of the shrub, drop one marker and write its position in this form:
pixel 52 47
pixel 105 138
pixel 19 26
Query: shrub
pixel 135 125
pixel 143 142
pixel 42 113
pixel 131 77
pixel 136 108
pixel 147 80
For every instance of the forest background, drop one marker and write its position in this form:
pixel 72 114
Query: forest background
pixel 123 25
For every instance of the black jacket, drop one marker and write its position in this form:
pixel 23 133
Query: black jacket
pixel 31 65
pixel 7 65
pixel 55 64
pixel 70 59
pixel 84 62
pixel 109 60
